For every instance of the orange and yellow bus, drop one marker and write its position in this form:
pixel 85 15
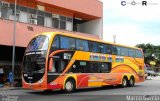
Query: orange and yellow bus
pixel 56 60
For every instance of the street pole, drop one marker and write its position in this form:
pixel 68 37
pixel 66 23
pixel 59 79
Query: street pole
pixel 14 39
pixel 114 38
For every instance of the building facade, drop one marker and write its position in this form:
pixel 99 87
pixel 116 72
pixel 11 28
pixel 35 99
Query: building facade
pixel 80 17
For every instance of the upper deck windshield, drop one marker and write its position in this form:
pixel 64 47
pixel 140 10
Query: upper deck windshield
pixel 39 43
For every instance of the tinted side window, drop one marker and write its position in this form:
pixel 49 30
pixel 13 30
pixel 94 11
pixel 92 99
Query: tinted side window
pixel 124 51
pixel 93 47
pixel 64 43
pixel 139 54
pixel 116 50
pixel 67 43
pixel 72 43
pixel 132 53
pixel 95 67
pixel 90 67
pixel 102 48
pixel 106 67
pixel 99 67
pixel 82 45
pixel 106 49
pixel 80 67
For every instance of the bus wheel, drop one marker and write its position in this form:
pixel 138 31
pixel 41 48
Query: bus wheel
pixel 124 82
pixel 131 82
pixel 69 86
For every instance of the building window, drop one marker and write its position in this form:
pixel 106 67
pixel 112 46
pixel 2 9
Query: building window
pixel 66 23
pixel 69 24
pixel 0 12
pixel 48 20
pixel 63 18
pixel 11 16
pixel 55 20
pixel 5 12
pixel 32 11
pixel 12 12
pixel 23 14
pixel 40 18
pixel 62 22
pixel 62 25
pixel 32 16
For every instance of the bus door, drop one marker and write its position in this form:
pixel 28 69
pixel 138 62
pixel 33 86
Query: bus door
pixel 56 66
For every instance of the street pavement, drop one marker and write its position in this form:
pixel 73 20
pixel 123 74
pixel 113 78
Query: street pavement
pixel 151 87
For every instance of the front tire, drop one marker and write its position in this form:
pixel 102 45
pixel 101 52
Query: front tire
pixel 69 86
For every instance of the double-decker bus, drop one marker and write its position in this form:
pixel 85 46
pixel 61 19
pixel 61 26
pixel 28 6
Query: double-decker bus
pixel 56 60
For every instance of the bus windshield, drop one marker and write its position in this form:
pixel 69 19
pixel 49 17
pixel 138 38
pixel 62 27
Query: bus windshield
pixel 35 56
pixel 38 43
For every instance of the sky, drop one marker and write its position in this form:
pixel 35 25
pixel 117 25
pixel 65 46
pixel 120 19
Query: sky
pixel 131 24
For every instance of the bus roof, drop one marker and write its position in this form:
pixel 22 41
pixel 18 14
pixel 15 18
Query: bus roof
pixel 90 39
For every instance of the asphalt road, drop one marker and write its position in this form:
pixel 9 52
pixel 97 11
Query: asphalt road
pixel 147 89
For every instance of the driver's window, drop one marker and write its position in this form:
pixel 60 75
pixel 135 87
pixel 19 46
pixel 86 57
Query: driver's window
pixel 59 66
pixel 55 43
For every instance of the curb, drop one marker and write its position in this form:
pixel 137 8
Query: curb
pixel 10 88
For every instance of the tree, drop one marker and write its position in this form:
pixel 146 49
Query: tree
pixel 151 53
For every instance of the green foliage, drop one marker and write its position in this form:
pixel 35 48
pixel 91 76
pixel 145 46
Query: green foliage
pixel 151 53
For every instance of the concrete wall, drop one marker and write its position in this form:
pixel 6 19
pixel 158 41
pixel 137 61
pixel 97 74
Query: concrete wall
pixel 24 35
pixel 86 9
pixel 92 27
pixel 91 7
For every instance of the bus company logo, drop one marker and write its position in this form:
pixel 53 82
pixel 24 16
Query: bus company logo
pixel 94 56
pixel 9 98
pixel 133 3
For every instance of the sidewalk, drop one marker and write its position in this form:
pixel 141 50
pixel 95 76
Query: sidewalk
pixel 153 78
